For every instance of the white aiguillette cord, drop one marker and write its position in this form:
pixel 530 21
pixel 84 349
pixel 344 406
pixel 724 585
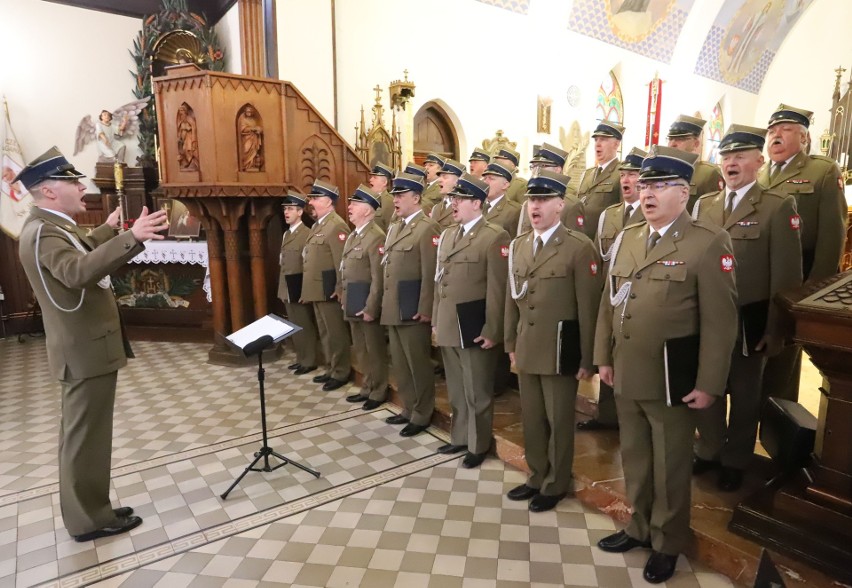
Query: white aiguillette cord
pixel 621 295
pixel 104 282
pixel 512 284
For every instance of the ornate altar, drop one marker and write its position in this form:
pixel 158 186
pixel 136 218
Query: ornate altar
pixel 809 516
pixel 377 144
pixel 230 147
pixel 575 142
pixel 836 142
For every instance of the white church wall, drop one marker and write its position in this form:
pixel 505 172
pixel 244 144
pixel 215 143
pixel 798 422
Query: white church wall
pixel 802 73
pixel 228 30
pixel 59 64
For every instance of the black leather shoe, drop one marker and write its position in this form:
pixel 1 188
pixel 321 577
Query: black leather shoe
pixel 473 460
pixel 596 425
pixel 545 502
pixel 410 430
pixel 396 419
pixel 321 379
pixel 123 511
pixel 522 492
pixel 621 542
pixel 701 466
pixel 449 449
pixel 333 384
pixel 120 525
pixel 372 404
pixel 730 479
pixel 660 567
pixel 294 366
pixel 304 369
pixel 356 398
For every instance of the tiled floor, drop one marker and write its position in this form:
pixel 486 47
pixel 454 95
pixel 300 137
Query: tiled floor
pixel 387 511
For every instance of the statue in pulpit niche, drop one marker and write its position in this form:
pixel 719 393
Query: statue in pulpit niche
pixel 250 140
pixel 187 139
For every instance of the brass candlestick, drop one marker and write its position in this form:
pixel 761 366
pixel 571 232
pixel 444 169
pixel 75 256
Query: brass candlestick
pixel 118 173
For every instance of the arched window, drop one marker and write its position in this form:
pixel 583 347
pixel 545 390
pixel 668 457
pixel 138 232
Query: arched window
pixel 610 104
pixel 713 135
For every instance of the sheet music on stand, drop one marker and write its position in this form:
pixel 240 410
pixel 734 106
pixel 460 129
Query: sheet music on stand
pixel 272 325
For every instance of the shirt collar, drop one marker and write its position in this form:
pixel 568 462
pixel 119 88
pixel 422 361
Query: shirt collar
pixel 494 202
pixel 295 226
pixel 740 193
pixel 469 226
pixel 604 165
pixel 546 235
pixel 325 216
pixel 663 230
pixel 408 219
pixel 62 215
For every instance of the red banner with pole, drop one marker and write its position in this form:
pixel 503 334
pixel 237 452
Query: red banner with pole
pixel 655 102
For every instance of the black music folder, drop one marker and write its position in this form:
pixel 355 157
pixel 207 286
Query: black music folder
pixel 568 352
pixel 471 317
pixel 294 286
pixel 329 283
pixel 409 299
pixel 356 297
pixel 753 317
pixel 680 360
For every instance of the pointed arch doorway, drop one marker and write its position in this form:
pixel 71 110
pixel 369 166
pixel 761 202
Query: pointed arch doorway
pixel 434 132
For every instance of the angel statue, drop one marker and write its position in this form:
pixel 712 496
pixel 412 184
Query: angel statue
pixel 109 129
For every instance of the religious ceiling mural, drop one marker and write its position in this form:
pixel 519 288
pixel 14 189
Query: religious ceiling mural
pixel 744 39
pixel 519 6
pixel 647 27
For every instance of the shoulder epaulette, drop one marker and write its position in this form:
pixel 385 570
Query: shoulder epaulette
pixel 710 227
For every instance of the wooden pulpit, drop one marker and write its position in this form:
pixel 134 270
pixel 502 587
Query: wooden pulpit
pixel 230 147
pixel 809 516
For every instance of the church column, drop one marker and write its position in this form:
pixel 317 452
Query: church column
pixel 228 212
pixel 262 210
pixel 252 38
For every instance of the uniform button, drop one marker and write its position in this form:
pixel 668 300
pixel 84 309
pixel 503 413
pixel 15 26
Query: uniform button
pixel 668 276
pixel 638 275
pixel 532 274
pixel 627 335
pixel 532 291
pixel 532 307
pixel 627 316
pixel 531 323
pixel 445 284
pixel 443 295
pixel 632 295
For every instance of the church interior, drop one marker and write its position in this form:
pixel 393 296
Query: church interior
pixel 274 95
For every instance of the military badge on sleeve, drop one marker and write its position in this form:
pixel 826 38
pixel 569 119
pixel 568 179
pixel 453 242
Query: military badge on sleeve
pixel 727 263
pixel 795 222
pixel 381 249
pixel 581 220
pixel 593 268
pixel 435 240
pixel 504 251
pixel 341 236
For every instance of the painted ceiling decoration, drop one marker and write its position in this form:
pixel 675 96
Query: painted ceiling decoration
pixel 744 39
pixel 647 27
pixel 518 6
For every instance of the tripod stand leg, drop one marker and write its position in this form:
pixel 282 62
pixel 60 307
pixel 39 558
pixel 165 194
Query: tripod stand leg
pixel 250 467
pixel 286 461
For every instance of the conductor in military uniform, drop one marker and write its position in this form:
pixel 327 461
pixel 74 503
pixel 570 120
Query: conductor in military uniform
pixel 552 159
pixel 600 186
pixel 380 178
pixel 290 285
pixel 670 283
pixel 467 316
pixel 499 208
pixel 321 283
pixel 510 159
pixel 362 281
pixel 409 282
pixel 449 175
pixel 432 192
pixel 551 304
pixel 685 134
pixel 68 269
pixel 611 222
pixel 817 185
pixel 764 229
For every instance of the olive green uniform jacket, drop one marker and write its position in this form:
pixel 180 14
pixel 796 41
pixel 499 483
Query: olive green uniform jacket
pixel 598 194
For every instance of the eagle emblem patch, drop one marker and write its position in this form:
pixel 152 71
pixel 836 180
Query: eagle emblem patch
pixel 381 249
pixel 504 251
pixel 435 240
pixel 593 268
pixel 795 222
pixel 341 236
pixel 581 221
pixel 727 263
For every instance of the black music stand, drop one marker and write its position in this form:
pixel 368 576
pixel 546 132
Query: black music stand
pixel 252 340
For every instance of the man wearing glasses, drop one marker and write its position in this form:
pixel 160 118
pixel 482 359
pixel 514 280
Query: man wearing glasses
pixel 665 332
pixel 68 269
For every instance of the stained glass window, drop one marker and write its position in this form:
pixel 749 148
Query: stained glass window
pixel 610 104
pixel 713 135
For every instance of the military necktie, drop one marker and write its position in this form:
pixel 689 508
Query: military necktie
pixel 652 242
pixel 597 174
pixel 729 207
pixel 628 212
pixel 775 170
pixel 539 244
pixel 459 235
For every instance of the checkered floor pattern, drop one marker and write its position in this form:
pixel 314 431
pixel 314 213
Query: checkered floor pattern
pixel 387 511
